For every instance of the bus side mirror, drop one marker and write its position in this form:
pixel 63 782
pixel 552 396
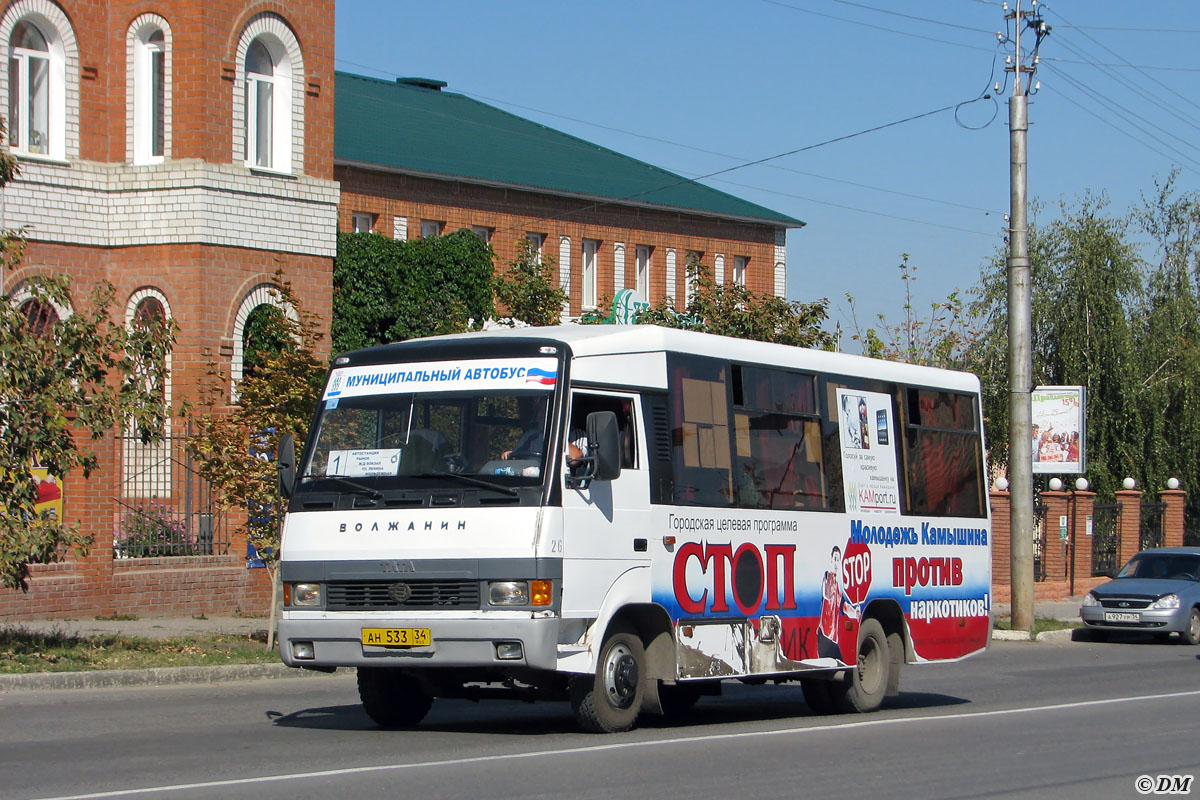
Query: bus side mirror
pixel 604 442
pixel 285 463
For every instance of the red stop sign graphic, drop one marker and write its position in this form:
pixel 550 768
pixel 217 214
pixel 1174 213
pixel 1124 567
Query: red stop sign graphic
pixel 856 571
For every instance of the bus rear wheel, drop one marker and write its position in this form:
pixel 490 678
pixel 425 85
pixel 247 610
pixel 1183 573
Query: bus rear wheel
pixel 391 698
pixel 610 700
pixel 864 686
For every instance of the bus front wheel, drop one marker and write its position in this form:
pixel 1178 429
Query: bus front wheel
pixel 391 698
pixel 610 700
pixel 865 685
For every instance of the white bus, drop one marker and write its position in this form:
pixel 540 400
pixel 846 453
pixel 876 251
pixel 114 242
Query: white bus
pixel 627 516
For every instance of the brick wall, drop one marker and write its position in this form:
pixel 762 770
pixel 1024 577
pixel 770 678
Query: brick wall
pixel 510 214
pixel 200 228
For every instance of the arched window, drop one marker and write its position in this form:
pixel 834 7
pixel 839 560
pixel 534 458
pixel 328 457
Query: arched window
pixel 39 318
pixel 149 48
pixel 150 312
pixel 39 91
pixel 260 106
pixel 268 112
pixel 262 338
pixel 29 90
pixel 256 332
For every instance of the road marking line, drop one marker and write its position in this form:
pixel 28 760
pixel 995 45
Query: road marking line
pixel 452 762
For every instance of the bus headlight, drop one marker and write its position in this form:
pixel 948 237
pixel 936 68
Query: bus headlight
pixel 508 593
pixel 303 594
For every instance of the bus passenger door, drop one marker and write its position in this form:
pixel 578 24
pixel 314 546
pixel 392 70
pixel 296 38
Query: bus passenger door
pixel 605 526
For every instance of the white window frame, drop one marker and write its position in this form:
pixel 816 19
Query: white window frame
pixel 588 273
pixel 739 270
pixel 483 232
pixel 286 153
pixel 362 222
pixel 642 276
pixel 537 241
pixel 62 77
pixel 147 119
pixel 431 228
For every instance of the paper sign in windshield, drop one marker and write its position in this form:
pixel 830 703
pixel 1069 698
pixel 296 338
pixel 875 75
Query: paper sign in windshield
pixel 363 463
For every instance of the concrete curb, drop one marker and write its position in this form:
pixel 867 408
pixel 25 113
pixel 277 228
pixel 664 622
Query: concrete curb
pixel 1066 635
pixel 159 676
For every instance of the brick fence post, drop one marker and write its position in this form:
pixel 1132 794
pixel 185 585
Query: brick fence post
pixel 1054 549
pixel 1173 516
pixel 1001 538
pixel 1083 504
pixel 1129 524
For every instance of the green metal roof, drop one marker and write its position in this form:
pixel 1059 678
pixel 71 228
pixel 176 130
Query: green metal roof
pixel 411 126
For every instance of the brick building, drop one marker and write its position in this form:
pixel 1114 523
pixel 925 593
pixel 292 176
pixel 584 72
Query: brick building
pixel 184 150
pixel 415 160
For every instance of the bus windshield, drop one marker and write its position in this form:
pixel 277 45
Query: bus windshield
pixel 391 439
pixel 478 423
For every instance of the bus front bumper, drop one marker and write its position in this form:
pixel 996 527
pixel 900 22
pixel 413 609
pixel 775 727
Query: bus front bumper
pixel 457 642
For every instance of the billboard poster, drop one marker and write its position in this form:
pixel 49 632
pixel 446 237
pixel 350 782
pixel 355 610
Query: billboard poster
pixel 49 494
pixel 1059 430
pixel 868 452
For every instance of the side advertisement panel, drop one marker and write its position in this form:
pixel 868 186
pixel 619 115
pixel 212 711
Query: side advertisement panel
pixel 760 592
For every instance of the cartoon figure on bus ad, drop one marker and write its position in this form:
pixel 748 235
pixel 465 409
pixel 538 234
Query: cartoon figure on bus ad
pixel 835 604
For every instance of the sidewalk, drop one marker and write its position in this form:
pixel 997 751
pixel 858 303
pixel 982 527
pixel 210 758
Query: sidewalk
pixel 153 628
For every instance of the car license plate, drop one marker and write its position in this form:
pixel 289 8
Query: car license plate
pixel 1120 616
pixel 396 637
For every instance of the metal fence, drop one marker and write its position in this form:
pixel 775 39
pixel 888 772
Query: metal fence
pixel 1151 533
pixel 165 508
pixel 1039 542
pixel 1106 538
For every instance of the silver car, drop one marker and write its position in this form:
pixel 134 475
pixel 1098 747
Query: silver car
pixel 1157 592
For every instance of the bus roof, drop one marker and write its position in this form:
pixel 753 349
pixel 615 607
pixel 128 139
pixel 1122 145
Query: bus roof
pixel 611 340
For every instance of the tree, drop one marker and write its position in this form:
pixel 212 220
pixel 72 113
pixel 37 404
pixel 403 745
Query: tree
pixel 1086 273
pixel 1167 334
pixel 62 377
pixel 941 339
pixel 733 310
pixel 67 378
pixel 388 291
pixel 235 447
pixel 529 289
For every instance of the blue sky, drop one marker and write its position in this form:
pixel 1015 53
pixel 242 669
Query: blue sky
pixel 699 86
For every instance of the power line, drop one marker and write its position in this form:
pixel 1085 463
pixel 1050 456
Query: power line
pixel 1114 126
pixel 1147 96
pixel 913 17
pixel 727 170
pixel 875 27
pixel 780 167
pixel 1140 69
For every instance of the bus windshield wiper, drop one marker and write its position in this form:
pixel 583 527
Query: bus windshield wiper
pixel 471 479
pixel 346 483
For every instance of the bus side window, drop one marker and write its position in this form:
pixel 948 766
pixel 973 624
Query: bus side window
pixel 622 407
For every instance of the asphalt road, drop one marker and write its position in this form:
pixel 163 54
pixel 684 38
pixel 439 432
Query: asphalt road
pixel 1062 720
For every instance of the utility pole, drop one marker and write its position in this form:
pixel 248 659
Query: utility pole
pixel 1020 325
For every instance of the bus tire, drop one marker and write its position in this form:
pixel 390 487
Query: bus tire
pixel 864 686
pixel 818 696
pixel 391 698
pixel 610 700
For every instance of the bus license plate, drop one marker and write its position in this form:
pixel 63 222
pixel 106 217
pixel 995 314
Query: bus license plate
pixel 1118 616
pixel 396 637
